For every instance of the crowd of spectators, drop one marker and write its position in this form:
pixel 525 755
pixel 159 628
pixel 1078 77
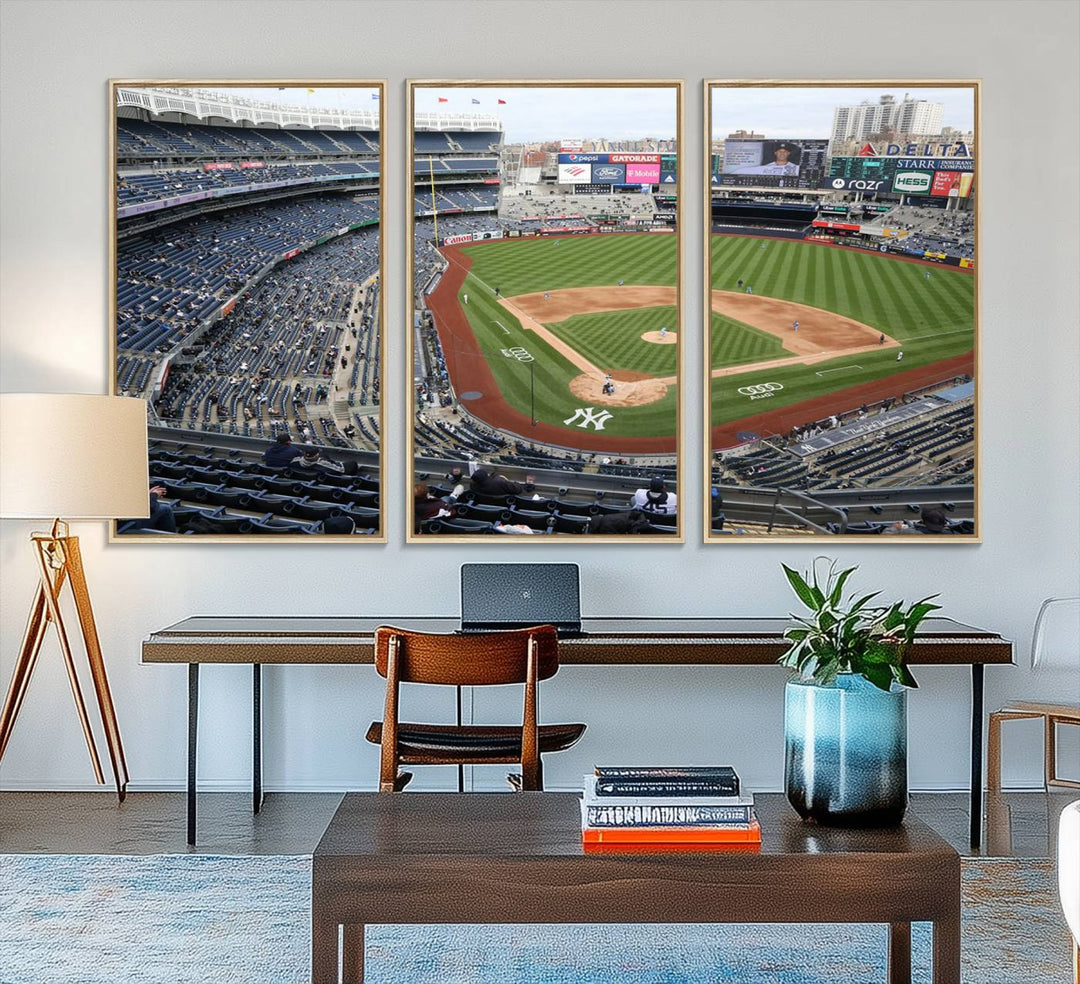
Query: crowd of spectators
pixel 171 280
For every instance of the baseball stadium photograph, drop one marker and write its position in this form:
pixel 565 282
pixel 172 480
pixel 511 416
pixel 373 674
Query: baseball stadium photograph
pixel 545 326
pixel 247 305
pixel 842 306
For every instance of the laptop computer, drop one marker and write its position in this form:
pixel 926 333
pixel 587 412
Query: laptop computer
pixel 515 596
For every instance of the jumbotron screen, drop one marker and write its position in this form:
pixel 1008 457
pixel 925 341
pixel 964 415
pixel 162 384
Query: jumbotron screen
pixel 774 163
pixel 939 177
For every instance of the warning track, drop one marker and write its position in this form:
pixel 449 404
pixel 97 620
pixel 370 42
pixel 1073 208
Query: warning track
pixel 469 371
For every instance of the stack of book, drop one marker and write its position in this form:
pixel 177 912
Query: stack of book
pixel 677 806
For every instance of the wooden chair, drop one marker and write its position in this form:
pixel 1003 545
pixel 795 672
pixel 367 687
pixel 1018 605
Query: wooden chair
pixel 1055 644
pixel 486 659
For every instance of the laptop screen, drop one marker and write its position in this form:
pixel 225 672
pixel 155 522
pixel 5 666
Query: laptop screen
pixel 518 595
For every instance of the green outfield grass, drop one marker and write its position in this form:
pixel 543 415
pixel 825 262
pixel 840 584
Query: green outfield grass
pixel 610 339
pixel 524 266
pixel 932 317
pixel 734 343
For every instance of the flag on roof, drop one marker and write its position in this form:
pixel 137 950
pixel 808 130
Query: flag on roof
pixel 374 95
pixel 476 102
pixel 442 100
pixel 502 102
pixel 311 92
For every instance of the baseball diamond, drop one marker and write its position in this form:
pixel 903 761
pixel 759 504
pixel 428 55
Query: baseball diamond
pixel 854 310
pixel 565 306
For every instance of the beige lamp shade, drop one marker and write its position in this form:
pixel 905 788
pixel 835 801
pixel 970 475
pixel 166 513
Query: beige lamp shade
pixel 73 456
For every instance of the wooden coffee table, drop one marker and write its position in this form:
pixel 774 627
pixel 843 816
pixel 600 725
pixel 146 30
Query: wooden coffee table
pixel 428 858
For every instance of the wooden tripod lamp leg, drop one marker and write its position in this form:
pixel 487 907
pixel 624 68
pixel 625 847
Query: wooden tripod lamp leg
pixel 24 667
pixel 52 602
pixel 77 577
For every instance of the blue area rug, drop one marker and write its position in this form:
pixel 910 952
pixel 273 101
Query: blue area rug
pixel 173 919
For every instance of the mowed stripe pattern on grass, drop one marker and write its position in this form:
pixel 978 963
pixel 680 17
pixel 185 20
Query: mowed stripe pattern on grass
pixel 542 386
pixel 525 266
pixel 734 343
pixel 888 293
pixel 612 339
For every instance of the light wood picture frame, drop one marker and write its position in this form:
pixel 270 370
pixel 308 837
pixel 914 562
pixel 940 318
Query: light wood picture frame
pixel 248 301
pixel 548 204
pixel 841 344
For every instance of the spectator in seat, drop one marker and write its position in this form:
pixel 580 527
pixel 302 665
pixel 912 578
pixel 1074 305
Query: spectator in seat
pixel 486 483
pixel 933 521
pixel 281 452
pixel 339 525
pixel 313 460
pixel 427 505
pixel 655 499
pixel 633 521
pixel 161 513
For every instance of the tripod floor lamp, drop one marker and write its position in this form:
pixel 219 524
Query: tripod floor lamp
pixel 77 457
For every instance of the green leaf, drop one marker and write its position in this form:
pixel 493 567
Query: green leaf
pixel 838 590
pixel 903 675
pixel 862 601
pixel 880 676
pixel 800 587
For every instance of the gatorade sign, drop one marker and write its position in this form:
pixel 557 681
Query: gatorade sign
pixel 913 182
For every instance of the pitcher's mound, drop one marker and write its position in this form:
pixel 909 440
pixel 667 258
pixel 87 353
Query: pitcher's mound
pixel 632 389
pixel 654 336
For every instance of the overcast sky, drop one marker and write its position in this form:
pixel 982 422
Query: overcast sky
pixel 806 111
pixel 548 113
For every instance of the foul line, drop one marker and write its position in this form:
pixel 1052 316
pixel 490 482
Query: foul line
pixel 503 327
pixel 821 372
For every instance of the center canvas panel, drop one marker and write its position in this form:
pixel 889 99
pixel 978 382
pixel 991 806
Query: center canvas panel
pixel 545 310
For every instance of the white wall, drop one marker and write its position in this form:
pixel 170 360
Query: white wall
pixel 53 326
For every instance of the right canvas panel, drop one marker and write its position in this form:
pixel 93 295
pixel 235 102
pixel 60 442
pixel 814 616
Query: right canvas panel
pixel 842 297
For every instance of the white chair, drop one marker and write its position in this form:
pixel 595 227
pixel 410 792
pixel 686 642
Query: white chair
pixel 1055 645
pixel 1069 875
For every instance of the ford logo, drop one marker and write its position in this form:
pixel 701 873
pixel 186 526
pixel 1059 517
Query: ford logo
pixel 606 172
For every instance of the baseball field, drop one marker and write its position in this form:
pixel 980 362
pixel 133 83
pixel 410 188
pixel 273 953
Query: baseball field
pixel 869 326
pixel 578 333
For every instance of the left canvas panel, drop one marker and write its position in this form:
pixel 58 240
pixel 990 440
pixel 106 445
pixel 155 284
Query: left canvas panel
pixel 248 304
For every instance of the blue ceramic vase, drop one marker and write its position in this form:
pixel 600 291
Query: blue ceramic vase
pixel 846 752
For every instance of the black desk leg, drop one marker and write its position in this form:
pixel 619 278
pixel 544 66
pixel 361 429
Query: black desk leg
pixel 461 767
pixel 256 738
pixel 976 753
pixel 192 747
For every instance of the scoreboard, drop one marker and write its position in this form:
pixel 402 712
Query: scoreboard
pixel 761 163
pixel 934 176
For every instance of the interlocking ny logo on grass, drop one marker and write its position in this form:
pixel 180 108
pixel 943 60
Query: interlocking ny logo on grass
pixel 760 391
pixel 912 182
pixel 590 415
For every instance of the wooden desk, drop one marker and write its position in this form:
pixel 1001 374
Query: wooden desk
pixel 604 641
pixel 518 858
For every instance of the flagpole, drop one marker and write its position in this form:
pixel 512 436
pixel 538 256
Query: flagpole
pixel 434 207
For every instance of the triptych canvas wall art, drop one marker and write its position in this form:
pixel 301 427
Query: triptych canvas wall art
pixel 543 331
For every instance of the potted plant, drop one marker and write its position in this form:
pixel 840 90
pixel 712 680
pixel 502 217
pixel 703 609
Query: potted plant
pixel 845 714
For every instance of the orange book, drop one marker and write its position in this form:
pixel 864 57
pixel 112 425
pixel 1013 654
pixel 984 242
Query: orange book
pixel 748 834
pixel 638 848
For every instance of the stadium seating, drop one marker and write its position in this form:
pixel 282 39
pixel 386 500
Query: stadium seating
pixel 225 490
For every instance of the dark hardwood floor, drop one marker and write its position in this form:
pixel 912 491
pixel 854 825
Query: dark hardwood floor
pixel 1021 824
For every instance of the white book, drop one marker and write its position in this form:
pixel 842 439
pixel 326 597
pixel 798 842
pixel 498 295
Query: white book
pixel 591 799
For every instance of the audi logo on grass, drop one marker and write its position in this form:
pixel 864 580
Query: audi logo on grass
pixel 760 391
